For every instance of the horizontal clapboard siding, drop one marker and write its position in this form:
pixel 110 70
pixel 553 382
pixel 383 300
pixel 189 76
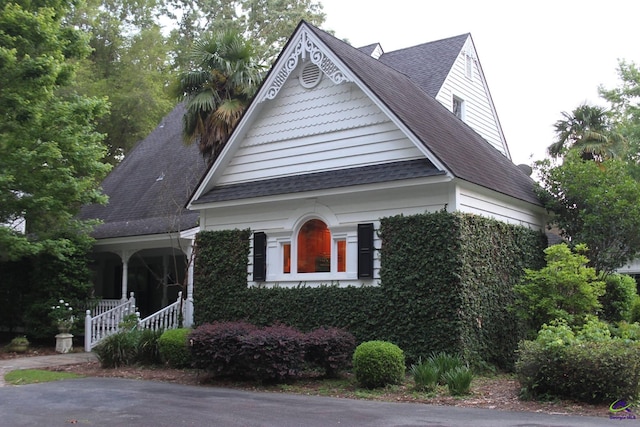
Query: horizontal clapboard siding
pixel 326 128
pixel 479 114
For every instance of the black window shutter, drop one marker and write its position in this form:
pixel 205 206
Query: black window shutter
pixel 365 251
pixel 259 256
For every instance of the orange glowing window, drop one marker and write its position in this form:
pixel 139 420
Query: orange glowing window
pixel 287 257
pixel 342 250
pixel 314 247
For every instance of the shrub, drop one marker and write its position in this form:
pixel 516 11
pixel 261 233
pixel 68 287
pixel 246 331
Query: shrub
pixel 239 349
pixel 330 349
pixel 425 375
pixel 589 371
pixel 174 349
pixel 458 380
pixel 444 363
pixel 215 347
pixel 274 353
pixel 147 350
pixel 117 350
pixel 618 300
pixel 128 348
pixel 565 289
pixel 635 310
pixel 626 331
pixel 378 363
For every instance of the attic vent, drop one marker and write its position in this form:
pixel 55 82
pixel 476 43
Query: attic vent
pixel 310 75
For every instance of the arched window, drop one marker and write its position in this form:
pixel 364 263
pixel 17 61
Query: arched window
pixel 315 248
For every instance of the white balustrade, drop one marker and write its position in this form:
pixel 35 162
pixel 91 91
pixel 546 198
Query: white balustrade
pixel 106 305
pixel 170 317
pixel 104 324
pixel 107 323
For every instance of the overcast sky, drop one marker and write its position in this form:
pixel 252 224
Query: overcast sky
pixel 539 58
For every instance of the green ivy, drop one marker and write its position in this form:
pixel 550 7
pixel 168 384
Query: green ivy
pixel 446 281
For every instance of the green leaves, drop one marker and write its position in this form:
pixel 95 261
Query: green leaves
pixel 595 204
pixel 50 154
pixel 446 283
pixel 565 289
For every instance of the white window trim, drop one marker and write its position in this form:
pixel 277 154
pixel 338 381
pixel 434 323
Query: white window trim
pixel 463 107
pixel 275 245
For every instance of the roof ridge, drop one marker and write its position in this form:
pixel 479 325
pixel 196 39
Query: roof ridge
pixel 465 35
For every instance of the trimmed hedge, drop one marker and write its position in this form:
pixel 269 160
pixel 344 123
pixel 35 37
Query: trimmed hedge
pixel 446 281
pixel 330 349
pixel 241 350
pixel 594 372
pixel 174 348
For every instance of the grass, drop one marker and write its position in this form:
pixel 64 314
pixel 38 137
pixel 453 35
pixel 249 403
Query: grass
pixel 33 376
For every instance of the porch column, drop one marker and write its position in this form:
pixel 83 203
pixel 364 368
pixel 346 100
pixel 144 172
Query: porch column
pixel 188 318
pixel 125 255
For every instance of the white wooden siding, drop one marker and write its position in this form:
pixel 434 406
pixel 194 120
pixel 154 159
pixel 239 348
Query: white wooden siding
pixel 326 128
pixel 480 203
pixel 478 111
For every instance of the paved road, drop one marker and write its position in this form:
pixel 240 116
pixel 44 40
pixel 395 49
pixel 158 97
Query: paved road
pixel 122 402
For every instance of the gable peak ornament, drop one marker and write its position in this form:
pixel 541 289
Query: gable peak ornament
pixel 304 49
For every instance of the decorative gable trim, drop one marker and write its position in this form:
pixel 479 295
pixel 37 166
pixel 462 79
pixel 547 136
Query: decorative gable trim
pixel 303 46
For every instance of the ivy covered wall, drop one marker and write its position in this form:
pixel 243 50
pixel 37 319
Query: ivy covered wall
pixel 445 284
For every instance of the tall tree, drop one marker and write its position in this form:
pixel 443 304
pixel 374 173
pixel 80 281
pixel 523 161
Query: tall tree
pixel 587 129
pixel 594 203
pixel 267 23
pixel 625 108
pixel 130 64
pixel 217 90
pixel 50 153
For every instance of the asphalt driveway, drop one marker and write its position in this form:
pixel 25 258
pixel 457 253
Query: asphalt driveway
pixel 122 402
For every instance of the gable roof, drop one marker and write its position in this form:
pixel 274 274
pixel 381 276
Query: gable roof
pixel 149 188
pixel 458 147
pixel 451 143
pixel 428 64
pixel 371 174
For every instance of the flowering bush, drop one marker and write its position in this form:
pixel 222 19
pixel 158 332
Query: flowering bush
pixel 62 315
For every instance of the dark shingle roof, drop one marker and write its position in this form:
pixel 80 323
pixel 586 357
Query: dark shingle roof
pixel 460 149
pixel 428 64
pixel 149 188
pixel 323 180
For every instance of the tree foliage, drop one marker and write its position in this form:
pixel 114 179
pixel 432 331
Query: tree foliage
pixel 588 130
pixel 267 23
pixel 594 203
pixel 50 153
pixel 130 65
pixel 625 108
pixel 566 288
pixel 217 90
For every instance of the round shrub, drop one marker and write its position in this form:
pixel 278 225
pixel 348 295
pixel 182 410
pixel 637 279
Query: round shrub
pixel 174 347
pixel 378 363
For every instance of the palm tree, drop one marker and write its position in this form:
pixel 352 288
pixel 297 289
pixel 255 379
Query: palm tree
pixel 217 90
pixel 589 130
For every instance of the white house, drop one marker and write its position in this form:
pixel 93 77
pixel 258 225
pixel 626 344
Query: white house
pixel 338 137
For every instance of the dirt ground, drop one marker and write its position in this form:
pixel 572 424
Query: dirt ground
pixel 499 392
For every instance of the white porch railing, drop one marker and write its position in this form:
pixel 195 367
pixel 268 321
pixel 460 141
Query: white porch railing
pixel 102 325
pixel 106 323
pixel 105 305
pixel 170 317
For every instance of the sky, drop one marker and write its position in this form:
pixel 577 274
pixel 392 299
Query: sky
pixel 539 58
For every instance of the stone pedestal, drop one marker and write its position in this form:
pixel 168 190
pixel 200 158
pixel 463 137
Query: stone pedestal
pixel 64 342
